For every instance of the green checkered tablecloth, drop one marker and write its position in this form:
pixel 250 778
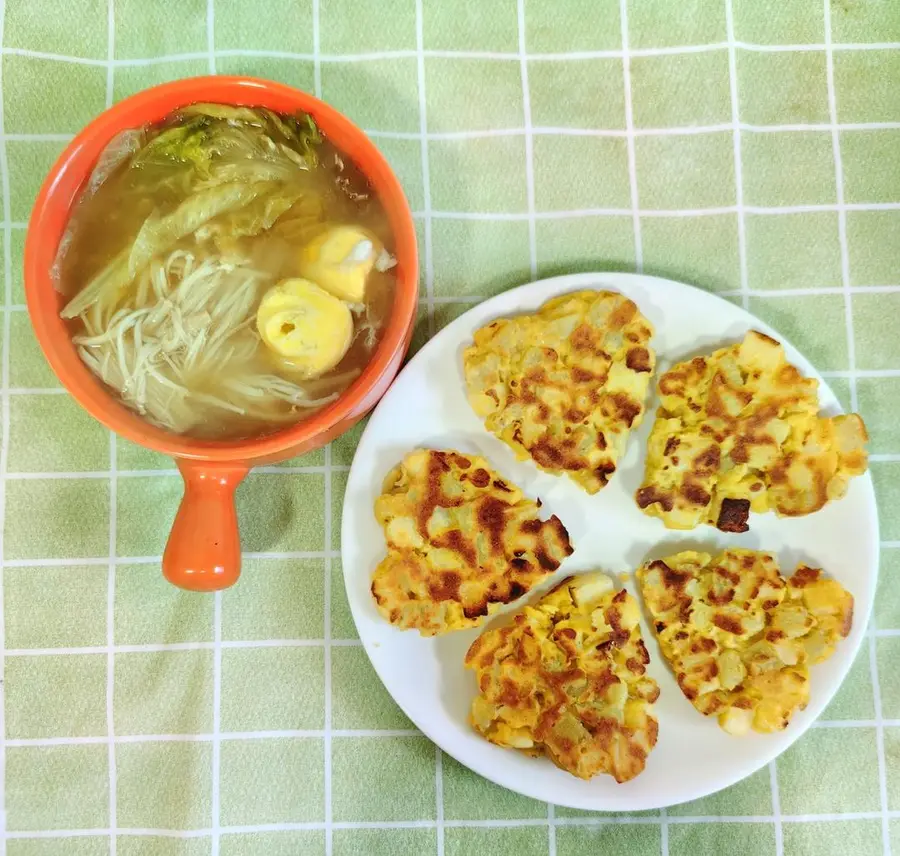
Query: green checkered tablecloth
pixel 751 147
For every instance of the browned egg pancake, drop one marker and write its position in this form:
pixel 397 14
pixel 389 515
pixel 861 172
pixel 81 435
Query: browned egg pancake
pixel 567 679
pixel 461 541
pixel 739 636
pixel 740 430
pixel 566 385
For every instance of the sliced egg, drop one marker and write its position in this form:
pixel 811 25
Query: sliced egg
pixel 309 329
pixel 340 259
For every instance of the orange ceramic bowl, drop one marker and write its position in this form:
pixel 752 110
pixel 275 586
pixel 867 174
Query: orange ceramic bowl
pixel 203 551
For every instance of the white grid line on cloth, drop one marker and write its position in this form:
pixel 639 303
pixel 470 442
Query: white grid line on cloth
pixel 851 362
pixel 629 139
pixel 551 829
pixel 672 50
pixel 620 133
pixel 565 214
pixel 323 733
pixel 110 636
pixel 327 545
pixel 738 160
pixel 427 261
pixel 529 143
pixel 563 131
pixel 156 560
pixel 137 474
pixel 429 295
pixel 501 56
pixel 606 820
pixel 569 214
pixel 327 643
pixel 105 474
pixel 216 761
pixel 559 131
pixel 665 212
pixel 664 832
pixel 151 647
pixel 841 208
pixel 4 425
pixel 113 522
pixel 154 647
pixel 274 734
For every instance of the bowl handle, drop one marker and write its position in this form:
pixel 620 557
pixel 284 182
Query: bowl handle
pixel 204 548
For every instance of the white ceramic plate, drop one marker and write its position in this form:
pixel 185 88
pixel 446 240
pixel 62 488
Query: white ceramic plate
pixel 427 407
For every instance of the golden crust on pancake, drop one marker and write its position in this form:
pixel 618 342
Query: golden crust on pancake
pixel 567 679
pixel 566 385
pixel 461 540
pixel 739 637
pixel 740 430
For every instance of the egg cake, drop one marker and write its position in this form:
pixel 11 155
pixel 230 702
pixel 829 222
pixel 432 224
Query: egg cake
pixel 739 636
pixel 461 541
pixel 739 431
pixel 564 386
pixel 567 679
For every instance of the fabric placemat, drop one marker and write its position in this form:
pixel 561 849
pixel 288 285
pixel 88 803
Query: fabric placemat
pixel 751 147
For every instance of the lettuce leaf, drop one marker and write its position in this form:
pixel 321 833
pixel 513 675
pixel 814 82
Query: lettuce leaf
pixel 255 217
pixel 113 278
pixel 228 112
pixel 189 144
pixel 160 233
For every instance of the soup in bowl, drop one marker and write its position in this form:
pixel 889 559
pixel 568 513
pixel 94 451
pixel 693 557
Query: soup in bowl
pixel 223 270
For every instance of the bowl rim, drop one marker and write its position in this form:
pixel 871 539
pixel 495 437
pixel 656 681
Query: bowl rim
pixel 63 186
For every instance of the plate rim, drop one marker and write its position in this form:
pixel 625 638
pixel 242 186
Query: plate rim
pixel 608 280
